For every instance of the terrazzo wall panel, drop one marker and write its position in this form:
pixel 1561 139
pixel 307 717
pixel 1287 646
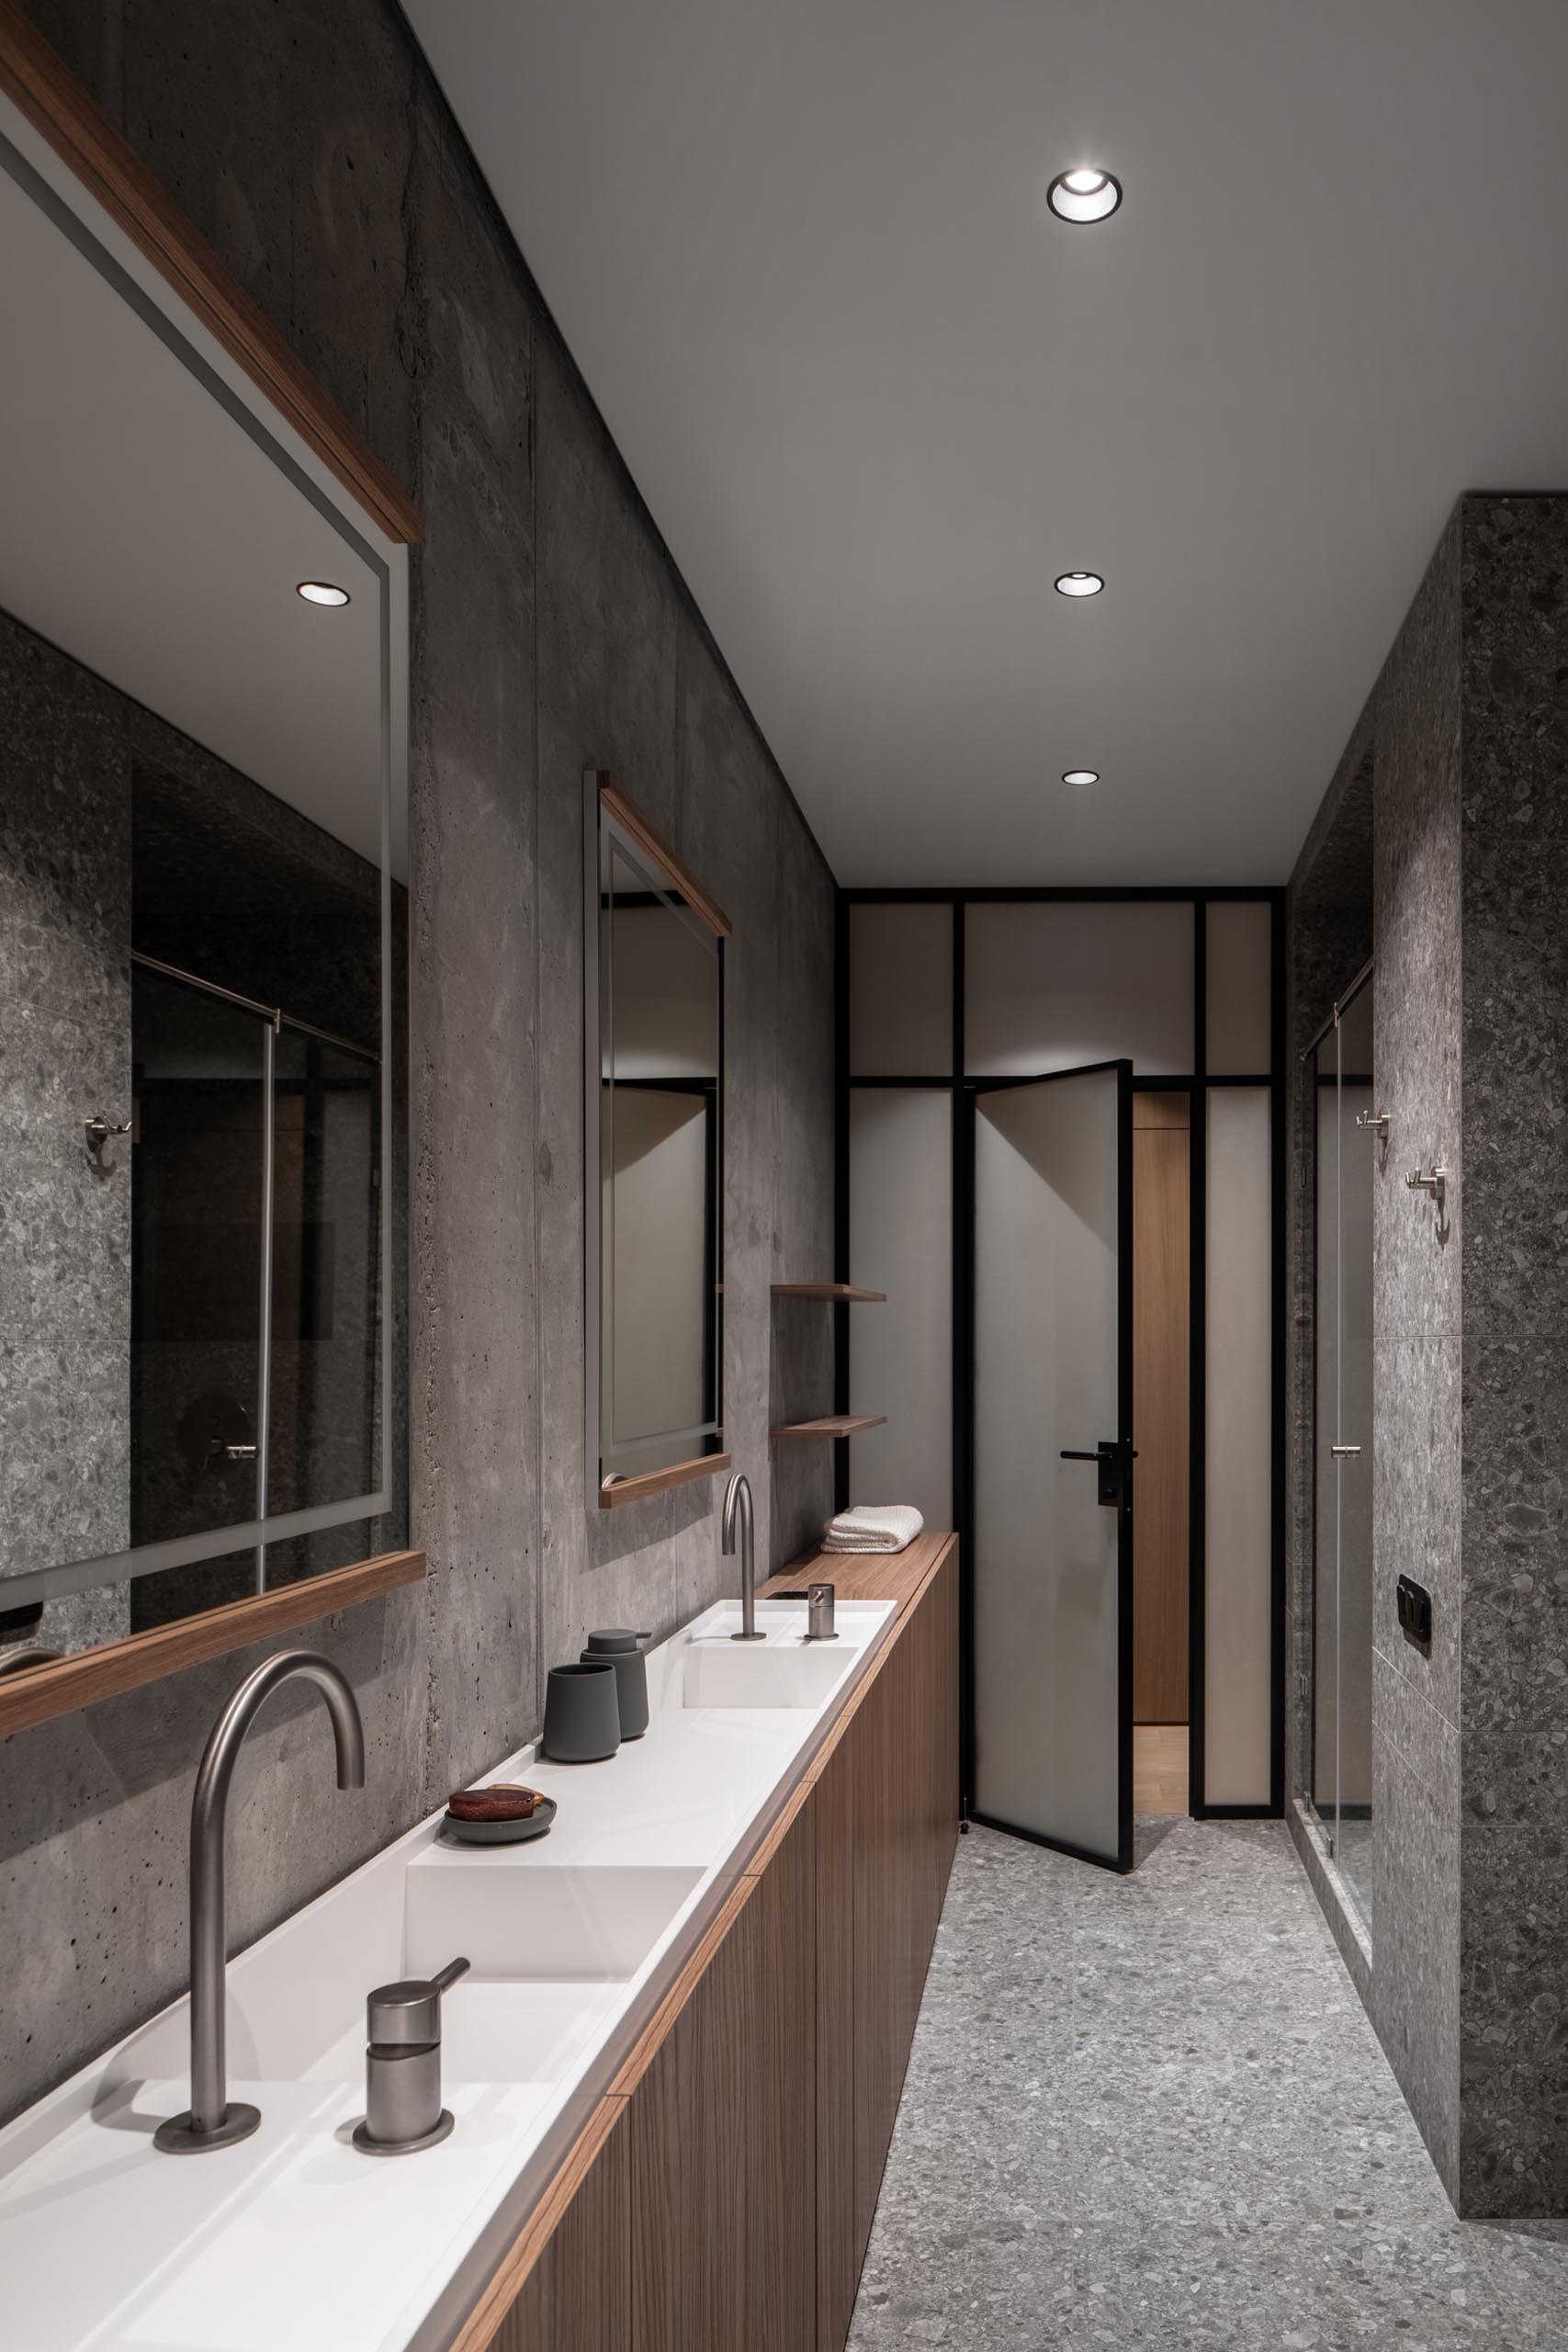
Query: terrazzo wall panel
pixel 64 1057
pixel 550 628
pixel 1416 1357
pixel 1513 1240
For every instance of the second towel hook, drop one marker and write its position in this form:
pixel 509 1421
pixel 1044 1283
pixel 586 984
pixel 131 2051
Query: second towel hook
pixel 1433 1181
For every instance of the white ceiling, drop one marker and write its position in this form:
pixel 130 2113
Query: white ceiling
pixel 147 535
pixel 876 397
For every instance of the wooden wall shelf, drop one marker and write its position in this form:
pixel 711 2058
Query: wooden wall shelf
pixel 831 1425
pixel 34 1694
pixel 845 1292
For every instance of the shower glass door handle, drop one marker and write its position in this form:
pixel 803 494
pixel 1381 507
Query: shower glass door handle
pixel 1050 1679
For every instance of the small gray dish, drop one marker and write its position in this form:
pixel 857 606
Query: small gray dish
pixel 502 1833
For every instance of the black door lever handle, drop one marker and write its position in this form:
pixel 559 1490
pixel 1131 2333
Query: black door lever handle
pixel 1115 1462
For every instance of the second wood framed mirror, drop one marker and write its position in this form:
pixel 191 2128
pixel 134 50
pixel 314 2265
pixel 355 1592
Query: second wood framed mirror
pixel 653 1110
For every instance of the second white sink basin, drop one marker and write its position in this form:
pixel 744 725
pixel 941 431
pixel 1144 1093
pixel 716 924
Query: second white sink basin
pixel 723 1673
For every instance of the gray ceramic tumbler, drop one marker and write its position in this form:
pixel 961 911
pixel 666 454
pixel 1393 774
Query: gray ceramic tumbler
pixel 583 1713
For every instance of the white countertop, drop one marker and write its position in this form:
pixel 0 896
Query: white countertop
pixel 292 2241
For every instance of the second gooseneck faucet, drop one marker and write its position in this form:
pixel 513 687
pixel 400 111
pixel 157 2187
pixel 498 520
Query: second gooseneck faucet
pixel 212 2120
pixel 738 1506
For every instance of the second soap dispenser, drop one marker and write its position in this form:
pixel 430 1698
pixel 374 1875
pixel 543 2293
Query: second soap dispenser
pixel 617 1645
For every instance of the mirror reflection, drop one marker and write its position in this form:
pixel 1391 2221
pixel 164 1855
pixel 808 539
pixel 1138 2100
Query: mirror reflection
pixel 194 917
pixel 660 1127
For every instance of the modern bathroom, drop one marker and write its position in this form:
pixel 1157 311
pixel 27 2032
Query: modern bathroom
pixel 783 1292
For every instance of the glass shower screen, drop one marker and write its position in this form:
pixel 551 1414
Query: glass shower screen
pixel 1342 1647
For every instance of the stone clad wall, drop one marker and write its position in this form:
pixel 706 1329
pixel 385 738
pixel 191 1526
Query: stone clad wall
pixel 1466 739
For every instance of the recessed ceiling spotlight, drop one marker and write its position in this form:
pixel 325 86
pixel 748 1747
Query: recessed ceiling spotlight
pixel 322 591
pixel 1084 195
pixel 1082 775
pixel 1079 583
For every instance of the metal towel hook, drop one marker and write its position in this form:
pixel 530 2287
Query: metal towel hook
pixel 1434 1180
pixel 98 1134
pixel 1376 1123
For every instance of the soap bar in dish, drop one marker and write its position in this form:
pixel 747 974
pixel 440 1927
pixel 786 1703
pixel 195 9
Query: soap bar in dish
pixel 504 1800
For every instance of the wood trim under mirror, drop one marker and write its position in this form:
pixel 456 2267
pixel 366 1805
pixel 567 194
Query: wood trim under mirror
pixel 632 822
pixel 35 1694
pixel 614 1492
pixel 38 81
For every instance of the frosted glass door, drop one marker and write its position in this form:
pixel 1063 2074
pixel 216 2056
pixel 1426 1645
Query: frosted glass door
pixel 1051 1579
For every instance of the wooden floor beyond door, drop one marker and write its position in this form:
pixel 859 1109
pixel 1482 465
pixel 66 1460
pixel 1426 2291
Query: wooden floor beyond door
pixel 1160 1768
pixel 1161 1353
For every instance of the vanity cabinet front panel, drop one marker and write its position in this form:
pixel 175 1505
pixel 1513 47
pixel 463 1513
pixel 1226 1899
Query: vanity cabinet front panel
pixel 688 2120
pixel 578 2297
pixel 839 2239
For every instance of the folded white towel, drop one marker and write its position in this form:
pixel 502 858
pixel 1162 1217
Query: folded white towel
pixel 870 1527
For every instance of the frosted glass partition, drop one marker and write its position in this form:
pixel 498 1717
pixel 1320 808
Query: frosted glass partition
pixel 900 992
pixel 1046 1597
pixel 1055 984
pixel 901 1241
pixel 1238 1437
pixel 1237 985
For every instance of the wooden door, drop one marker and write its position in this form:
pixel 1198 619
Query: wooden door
pixel 1161 1356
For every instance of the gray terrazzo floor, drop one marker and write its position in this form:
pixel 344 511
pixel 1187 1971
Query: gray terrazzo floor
pixel 1152 2112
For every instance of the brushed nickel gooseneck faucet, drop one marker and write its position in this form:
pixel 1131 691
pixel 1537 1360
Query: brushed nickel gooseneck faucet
pixel 210 2121
pixel 737 1504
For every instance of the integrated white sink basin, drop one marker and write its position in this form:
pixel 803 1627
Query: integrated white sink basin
pixel 725 1673
pixel 553 1921
pixel 292 2237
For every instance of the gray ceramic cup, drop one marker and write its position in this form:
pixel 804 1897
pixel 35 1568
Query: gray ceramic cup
pixel 583 1713
pixel 623 1649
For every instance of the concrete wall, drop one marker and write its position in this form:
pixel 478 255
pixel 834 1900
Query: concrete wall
pixel 550 631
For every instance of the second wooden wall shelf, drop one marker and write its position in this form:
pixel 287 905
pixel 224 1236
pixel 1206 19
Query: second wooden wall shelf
pixel 831 1425
pixel 845 1292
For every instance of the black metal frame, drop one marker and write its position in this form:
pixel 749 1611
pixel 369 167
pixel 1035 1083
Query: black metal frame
pixel 1197 1084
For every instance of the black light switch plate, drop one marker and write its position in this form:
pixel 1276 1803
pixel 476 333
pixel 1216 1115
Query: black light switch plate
pixel 1415 1603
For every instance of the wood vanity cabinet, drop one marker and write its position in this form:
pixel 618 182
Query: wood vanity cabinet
pixel 726 2198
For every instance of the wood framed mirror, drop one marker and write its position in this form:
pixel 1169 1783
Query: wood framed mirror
pixel 203 666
